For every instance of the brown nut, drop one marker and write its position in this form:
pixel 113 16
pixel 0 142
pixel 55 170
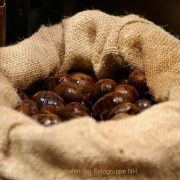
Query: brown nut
pixel 66 113
pixel 21 96
pixel 86 101
pixel 143 104
pixel 53 81
pixel 128 92
pixel 127 107
pixel 120 116
pixel 69 91
pixel 102 87
pixel 78 108
pixel 27 107
pixel 46 119
pixel 84 81
pixel 48 98
pixel 49 109
pixel 104 105
pixel 138 80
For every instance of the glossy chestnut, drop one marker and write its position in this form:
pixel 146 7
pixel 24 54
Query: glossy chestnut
pixel 53 81
pixel 48 98
pixel 102 87
pixel 47 119
pixel 84 81
pixel 67 113
pixel 78 108
pixel 104 105
pixel 120 116
pixel 128 92
pixel 27 107
pixel 138 80
pixel 69 91
pixel 127 107
pixel 21 96
pixel 143 104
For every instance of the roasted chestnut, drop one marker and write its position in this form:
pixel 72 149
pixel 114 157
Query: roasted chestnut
pixel 78 108
pixel 128 92
pixel 67 113
pixel 53 81
pixel 69 91
pixel 48 109
pixel 143 104
pixel 22 96
pixel 46 119
pixel 104 105
pixel 84 81
pixel 27 107
pixel 48 98
pixel 138 80
pixel 120 116
pixel 102 87
pixel 86 101
pixel 127 107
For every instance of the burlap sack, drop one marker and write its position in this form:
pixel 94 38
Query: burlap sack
pixel 143 147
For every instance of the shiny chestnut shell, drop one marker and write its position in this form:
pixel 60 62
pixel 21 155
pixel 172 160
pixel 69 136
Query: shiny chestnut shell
pixel 69 91
pixel 78 108
pixel 138 80
pixel 53 81
pixel 120 116
pixel 127 107
pixel 104 105
pixel 143 104
pixel 48 98
pixel 86 101
pixel 84 81
pixel 49 109
pixel 102 87
pixel 27 107
pixel 67 113
pixel 128 92
pixel 47 119
pixel 21 96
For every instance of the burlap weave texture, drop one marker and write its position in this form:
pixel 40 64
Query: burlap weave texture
pixel 105 44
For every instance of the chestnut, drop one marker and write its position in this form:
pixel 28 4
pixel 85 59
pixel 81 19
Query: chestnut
pixel 27 107
pixel 143 104
pixel 21 96
pixel 86 101
pixel 46 119
pixel 104 105
pixel 138 80
pixel 67 113
pixel 84 81
pixel 128 92
pixel 53 81
pixel 102 87
pixel 69 91
pixel 78 108
pixel 127 107
pixel 120 116
pixel 48 98
pixel 36 93
pixel 49 109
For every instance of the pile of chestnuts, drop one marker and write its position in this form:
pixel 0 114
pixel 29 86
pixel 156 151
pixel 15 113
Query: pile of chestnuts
pixel 67 96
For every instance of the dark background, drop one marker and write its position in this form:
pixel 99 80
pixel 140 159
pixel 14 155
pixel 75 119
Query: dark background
pixel 165 13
